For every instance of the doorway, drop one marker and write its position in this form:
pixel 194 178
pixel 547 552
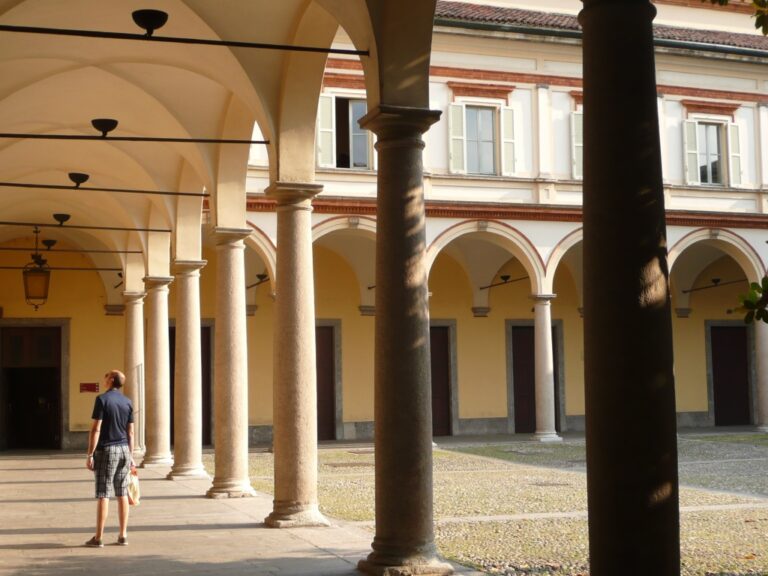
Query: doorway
pixel 205 346
pixel 325 358
pixel 30 388
pixel 729 354
pixel 523 374
pixel 440 357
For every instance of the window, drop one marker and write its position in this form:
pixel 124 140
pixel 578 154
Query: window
pixel 341 143
pixel 482 139
pixel 712 153
pixel 577 144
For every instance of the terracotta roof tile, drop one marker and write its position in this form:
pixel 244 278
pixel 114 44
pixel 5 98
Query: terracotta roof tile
pixel 500 16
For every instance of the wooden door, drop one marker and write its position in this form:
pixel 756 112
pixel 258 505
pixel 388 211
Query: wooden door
pixel 31 387
pixel 730 375
pixel 524 378
pixel 326 382
pixel 205 358
pixel 440 346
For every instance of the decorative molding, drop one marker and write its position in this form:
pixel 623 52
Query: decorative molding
pixel 577 96
pixel 496 211
pixel 352 81
pixel 741 6
pixel 474 90
pixel 682 312
pixel 367 310
pixel 705 107
pixel 480 311
pixel 114 309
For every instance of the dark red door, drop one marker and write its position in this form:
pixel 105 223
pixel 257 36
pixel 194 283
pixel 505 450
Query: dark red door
pixel 30 386
pixel 524 378
pixel 326 382
pixel 205 358
pixel 440 346
pixel 730 375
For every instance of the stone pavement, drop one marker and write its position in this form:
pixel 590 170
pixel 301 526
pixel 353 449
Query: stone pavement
pixel 47 512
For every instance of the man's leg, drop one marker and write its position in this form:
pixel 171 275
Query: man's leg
pixel 122 507
pixel 102 509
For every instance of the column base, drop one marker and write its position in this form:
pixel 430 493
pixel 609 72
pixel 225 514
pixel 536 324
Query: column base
pixel 547 437
pixel 295 516
pixel 156 461
pixel 188 472
pixel 763 429
pixel 419 567
pixel 230 489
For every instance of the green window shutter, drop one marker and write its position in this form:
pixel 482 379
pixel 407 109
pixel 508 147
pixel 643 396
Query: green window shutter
pixel 457 153
pixel 691 147
pixel 326 133
pixel 734 154
pixel 577 144
pixel 508 157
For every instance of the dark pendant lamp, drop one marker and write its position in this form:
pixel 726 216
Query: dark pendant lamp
pixel 37 276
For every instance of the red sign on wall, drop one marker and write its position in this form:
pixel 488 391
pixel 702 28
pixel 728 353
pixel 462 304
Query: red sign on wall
pixel 89 387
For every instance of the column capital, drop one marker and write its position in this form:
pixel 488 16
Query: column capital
pixel 131 297
pixel 399 121
pixel 187 266
pixel 225 235
pixel 291 193
pixel 543 297
pixel 154 282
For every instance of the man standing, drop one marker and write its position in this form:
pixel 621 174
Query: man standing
pixel 110 454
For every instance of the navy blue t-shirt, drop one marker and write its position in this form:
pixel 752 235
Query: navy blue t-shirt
pixel 115 412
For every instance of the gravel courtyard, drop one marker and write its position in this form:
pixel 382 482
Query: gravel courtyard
pixel 519 508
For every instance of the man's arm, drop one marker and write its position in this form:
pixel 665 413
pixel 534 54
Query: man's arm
pixel 129 431
pixel 93 440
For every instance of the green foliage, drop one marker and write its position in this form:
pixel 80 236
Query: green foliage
pixel 754 303
pixel 760 16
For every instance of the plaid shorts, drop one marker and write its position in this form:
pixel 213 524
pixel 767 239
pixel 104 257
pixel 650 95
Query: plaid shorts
pixel 111 466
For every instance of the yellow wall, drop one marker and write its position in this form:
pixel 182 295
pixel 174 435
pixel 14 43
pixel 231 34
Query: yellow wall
pixel 337 297
pixel 690 333
pixel 565 307
pixel 95 339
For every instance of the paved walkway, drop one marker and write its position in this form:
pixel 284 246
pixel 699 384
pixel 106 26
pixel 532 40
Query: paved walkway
pixel 47 512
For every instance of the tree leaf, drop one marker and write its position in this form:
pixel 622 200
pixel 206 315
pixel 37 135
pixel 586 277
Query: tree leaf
pixel 750 317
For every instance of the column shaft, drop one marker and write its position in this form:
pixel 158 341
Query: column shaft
pixel 295 379
pixel 629 385
pixel 545 371
pixel 158 374
pixel 761 370
pixel 134 363
pixel 403 409
pixel 188 378
pixel 230 390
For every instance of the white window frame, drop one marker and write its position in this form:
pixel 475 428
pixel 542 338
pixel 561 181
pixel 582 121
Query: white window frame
pixel 504 144
pixel 731 146
pixel 329 97
pixel 577 144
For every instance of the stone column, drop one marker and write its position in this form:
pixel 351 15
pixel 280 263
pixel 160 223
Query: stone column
pixel 188 378
pixel 295 378
pixel 632 479
pixel 761 372
pixel 158 374
pixel 230 389
pixel 545 370
pixel 404 540
pixel 133 362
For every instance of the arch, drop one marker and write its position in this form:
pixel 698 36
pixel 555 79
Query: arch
pixel 363 223
pixel 556 257
pixel 259 242
pixel 501 234
pixel 729 242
